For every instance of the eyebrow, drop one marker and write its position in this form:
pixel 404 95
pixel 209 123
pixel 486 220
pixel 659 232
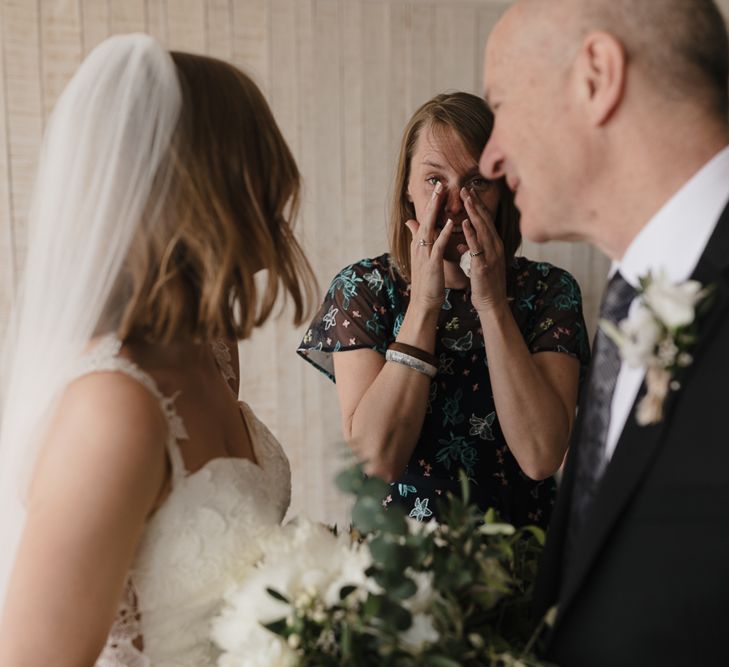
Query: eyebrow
pixel 436 165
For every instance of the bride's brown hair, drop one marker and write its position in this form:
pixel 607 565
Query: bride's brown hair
pixel 231 192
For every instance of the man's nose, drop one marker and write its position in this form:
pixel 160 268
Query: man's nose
pixel 491 163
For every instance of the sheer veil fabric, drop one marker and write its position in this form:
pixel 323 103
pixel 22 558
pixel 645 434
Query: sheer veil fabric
pixel 103 155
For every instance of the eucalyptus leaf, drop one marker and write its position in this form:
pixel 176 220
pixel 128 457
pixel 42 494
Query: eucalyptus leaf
pixel 278 596
pixel 440 661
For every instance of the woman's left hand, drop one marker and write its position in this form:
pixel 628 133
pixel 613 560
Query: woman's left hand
pixel 488 270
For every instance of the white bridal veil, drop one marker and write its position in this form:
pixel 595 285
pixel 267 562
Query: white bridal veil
pixel 104 148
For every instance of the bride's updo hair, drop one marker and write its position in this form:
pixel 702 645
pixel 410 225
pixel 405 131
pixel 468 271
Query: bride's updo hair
pixel 227 200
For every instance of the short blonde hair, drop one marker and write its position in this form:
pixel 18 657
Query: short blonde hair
pixel 226 213
pixel 471 119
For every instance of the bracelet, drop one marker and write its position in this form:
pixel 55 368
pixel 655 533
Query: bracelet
pixel 413 351
pixel 411 362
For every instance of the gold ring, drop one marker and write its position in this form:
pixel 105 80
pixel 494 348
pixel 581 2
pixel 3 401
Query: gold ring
pixel 476 254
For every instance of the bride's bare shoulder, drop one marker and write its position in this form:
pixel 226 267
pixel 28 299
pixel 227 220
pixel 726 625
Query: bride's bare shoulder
pixel 108 419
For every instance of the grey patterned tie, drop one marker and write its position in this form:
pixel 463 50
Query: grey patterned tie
pixel 596 403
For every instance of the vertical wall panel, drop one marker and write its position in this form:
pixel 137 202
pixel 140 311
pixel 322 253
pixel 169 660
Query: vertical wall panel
pixel 378 151
pixel 95 23
pixel 7 246
pixel 155 17
pixel 250 38
pixel 455 49
pixel 186 26
pixel 398 106
pixel 127 16
pixel 352 106
pixel 61 47
pixel 219 28
pixel 24 108
pixel 420 58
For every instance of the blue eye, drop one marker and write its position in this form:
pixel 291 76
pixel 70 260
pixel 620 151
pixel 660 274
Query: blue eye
pixel 433 180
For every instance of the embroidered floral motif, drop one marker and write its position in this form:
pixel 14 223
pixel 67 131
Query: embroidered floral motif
pixel 330 319
pixel 421 510
pixel 462 344
pixel 482 426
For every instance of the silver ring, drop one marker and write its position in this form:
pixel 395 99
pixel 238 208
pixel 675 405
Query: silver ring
pixel 476 254
pixel 424 242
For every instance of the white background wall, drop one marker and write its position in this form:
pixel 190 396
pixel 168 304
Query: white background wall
pixel 343 77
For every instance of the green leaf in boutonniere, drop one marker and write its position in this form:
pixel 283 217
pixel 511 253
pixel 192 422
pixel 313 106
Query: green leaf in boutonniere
pixel 658 335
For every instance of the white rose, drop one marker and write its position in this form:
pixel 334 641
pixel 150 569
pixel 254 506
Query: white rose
pixel 422 599
pixel 640 334
pixel 674 305
pixel 421 632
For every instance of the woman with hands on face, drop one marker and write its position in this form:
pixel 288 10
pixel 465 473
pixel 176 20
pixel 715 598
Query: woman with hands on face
pixel 448 351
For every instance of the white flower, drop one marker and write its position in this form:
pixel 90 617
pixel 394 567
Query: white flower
pixel 307 564
pixel 420 633
pixel 673 305
pixel 246 643
pixel 416 527
pixel 636 336
pixel 424 595
pixel 653 337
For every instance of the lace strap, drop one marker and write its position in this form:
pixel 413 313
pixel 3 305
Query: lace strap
pixel 105 357
pixel 223 359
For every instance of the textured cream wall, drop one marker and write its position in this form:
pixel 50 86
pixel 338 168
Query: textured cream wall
pixel 342 76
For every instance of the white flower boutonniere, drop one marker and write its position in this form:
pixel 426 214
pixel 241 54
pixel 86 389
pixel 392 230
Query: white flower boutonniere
pixel 657 335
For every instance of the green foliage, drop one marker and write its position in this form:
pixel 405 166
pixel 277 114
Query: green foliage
pixel 481 573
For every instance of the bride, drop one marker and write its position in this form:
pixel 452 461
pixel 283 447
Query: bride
pixel 133 484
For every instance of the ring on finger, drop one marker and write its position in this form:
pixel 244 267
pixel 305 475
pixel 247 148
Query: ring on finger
pixel 424 242
pixel 476 254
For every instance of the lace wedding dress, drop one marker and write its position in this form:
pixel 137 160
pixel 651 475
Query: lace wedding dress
pixel 204 533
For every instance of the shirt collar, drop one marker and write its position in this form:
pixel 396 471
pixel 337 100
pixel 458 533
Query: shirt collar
pixel 681 228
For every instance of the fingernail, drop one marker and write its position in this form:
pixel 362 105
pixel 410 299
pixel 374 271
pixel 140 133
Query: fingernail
pixel 438 188
pixel 449 222
pixel 466 221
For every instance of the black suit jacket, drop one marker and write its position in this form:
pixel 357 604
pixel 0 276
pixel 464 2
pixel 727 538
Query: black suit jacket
pixel 648 582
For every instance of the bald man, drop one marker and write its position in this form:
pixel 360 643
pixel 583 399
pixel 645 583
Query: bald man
pixel 611 128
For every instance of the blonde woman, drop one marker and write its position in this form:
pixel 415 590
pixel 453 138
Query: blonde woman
pixel 438 372
pixel 135 484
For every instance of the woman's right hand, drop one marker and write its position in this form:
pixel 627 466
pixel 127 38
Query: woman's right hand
pixel 427 277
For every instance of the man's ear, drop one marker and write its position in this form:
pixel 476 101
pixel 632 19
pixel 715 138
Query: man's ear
pixel 600 69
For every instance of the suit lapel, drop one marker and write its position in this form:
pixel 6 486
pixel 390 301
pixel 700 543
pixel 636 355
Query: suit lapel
pixel 639 445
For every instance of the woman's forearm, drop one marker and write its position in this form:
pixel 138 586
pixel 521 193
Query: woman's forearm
pixel 388 419
pixel 532 406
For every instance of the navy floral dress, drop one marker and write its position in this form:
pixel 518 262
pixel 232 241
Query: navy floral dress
pixel 364 308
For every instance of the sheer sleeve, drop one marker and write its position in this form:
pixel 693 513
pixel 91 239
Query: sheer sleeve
pixel 359 311
pixel 553 301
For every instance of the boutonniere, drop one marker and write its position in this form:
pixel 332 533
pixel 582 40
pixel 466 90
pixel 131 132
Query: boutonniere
pixel 658 335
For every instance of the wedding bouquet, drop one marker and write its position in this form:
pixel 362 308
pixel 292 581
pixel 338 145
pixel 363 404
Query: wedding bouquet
pixel 391 592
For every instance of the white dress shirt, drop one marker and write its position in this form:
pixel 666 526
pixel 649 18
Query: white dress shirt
pixel 672 241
